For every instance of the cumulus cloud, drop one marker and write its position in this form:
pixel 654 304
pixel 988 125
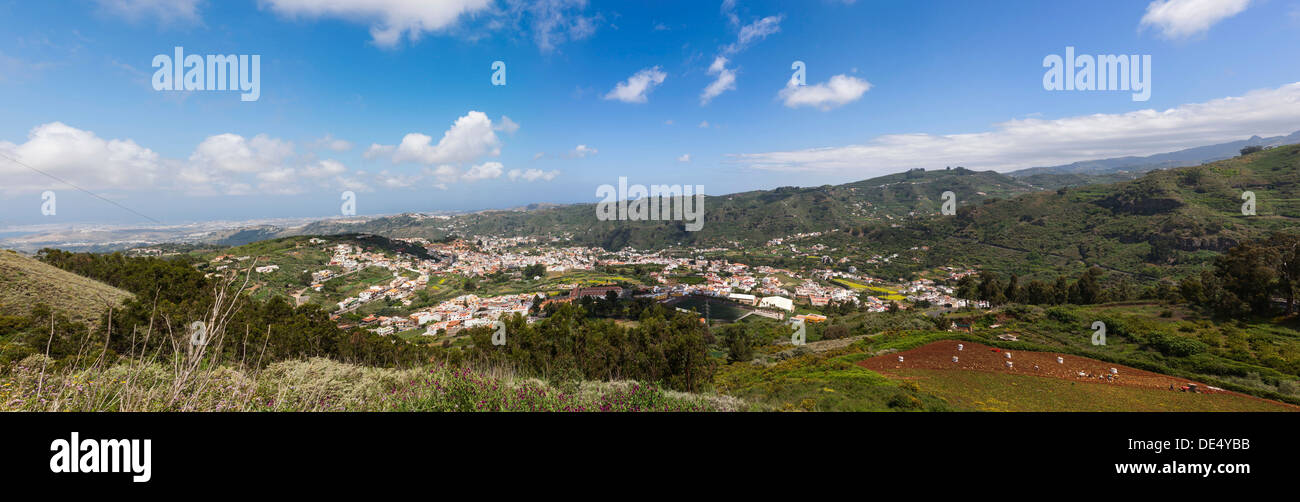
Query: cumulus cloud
pixel 725 80
pixel 686 157
pixel 1024 143
pixel 581 151
pixel 486 170
pixel 165 11
pixel 232 153
pixel 224 163
pixel 635 88
pixel 389 20
pixel 532 175
pixel 1177 19
pixel 841 90
pixel 470 138
pixel 506 125
pixel 78 156
pixel 220 164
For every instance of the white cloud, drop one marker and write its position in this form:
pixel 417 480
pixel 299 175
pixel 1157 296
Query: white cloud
pixel 553 22
pixel 166 11
pixel 532 175
pixel 377 150
pixel 1023 143
pixel 538 155
pixel 583 151
pixel 729 10
pixel 1185 18
pixel 506 125
pixel 470 138
pixel 79 157
pixel 754 32
pixel 635 88
pixel 353 184
pixel 394 181
pixel 389 20
pixel 686 157
pixel 220 164
pixel 444 174
pixel 324 169
pixel 279 181
pixel 841 90
pixel 329 142
pixel 232 153
pixel 704 124
pixel 486 170
pixel 550 23
pixel 725 80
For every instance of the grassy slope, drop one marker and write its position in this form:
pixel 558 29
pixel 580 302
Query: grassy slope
pixel 25 282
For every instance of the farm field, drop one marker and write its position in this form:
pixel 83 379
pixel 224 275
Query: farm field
pixel 981 380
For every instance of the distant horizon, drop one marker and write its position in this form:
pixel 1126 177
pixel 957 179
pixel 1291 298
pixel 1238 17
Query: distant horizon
pixel 308 219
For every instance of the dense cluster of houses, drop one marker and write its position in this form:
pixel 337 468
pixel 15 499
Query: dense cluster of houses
pixel 763 288
pixel 938 294
pixel 470 311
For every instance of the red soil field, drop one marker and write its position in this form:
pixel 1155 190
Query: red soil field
pixel 979 357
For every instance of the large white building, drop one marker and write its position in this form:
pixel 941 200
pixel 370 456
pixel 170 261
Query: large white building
pixel 743 298
pixel 778 302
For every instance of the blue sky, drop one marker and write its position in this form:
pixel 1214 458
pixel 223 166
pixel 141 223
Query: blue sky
pixel 889 86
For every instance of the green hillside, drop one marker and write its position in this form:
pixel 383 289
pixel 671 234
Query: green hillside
pixel 1167 224
pixel 25 283
pixel 746 218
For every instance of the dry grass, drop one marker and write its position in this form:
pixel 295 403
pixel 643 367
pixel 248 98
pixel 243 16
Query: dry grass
pixel 26 282
pixel 323 385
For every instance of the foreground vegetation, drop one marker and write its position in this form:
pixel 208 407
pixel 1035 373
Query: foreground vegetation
pixel 324 385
